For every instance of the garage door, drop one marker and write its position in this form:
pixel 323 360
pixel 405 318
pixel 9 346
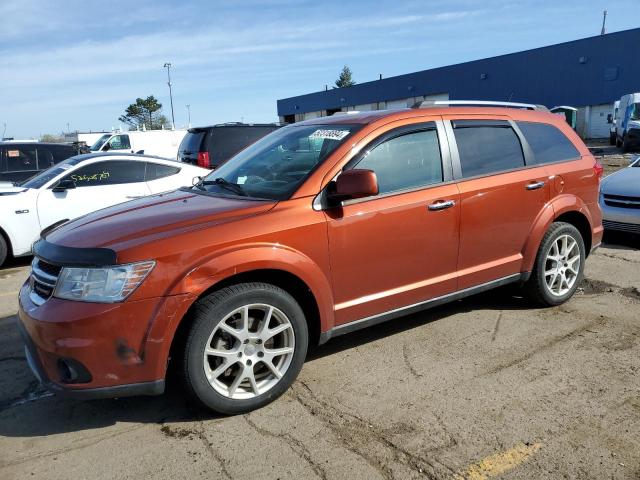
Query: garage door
pixel 598 126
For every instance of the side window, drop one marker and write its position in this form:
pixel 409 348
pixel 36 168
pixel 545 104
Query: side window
pixel 548 143
pixel 119 142
pixel 45 158
pixel 155 171
pixel 111 172
pixel 407 161
pixel 63 152
pixel 487 148
pixel 21 158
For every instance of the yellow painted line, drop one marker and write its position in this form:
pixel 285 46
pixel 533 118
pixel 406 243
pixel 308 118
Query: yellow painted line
pixel 499 463
pixel 7 294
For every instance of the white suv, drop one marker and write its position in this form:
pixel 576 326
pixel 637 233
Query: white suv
pixel 80 185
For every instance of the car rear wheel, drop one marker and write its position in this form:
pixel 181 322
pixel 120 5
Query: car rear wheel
pixel 612 139
pixel 559 265
pixel 4 250
pixel 246 346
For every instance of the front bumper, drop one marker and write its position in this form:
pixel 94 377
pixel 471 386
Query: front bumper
pixel 620 219
pixel 107 340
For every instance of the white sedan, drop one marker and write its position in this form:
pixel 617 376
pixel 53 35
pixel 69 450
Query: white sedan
pixel 81 185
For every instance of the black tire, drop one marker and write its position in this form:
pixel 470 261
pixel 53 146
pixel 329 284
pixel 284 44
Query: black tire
pixel 4 250
pixel 618 142
pixel 207 315
pixel 536 287
pixel 625 145
pixel 612 139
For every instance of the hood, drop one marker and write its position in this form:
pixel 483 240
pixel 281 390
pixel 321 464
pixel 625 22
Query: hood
pixel 153 218
pixel 624 182
pixel 10 189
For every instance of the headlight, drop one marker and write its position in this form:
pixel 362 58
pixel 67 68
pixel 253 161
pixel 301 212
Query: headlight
pixel 102 285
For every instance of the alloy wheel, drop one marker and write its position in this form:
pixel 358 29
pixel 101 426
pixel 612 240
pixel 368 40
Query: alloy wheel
pixel 562 265
pixel 249 351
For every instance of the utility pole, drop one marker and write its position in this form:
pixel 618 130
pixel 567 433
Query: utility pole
pixel 604 21
pixel 173 118
pixel 189 114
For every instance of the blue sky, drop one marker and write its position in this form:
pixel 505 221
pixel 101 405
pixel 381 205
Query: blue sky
pixel 83 62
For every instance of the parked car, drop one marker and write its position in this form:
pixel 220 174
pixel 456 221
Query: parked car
pixel 210 147
pixel 318 229
pixel 161 143
pixel 21 160
pixel 612 120
pixel 620 199
pixel 80 185
pixel 628 127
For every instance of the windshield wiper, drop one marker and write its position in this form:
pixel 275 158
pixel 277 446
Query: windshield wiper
pixel 221 182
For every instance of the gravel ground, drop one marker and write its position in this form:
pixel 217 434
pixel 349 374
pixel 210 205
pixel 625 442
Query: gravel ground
pixel 484 387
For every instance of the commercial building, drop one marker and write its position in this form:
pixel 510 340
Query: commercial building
pixel 589 74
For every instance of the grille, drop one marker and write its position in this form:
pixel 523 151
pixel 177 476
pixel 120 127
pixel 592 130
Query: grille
pixel 43 280
pixel 621 201
pixel 621 227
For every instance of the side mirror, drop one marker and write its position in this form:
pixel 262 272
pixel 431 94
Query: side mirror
pixel 609 118
pixel 356 183
pixel 64 185
pixel 196 180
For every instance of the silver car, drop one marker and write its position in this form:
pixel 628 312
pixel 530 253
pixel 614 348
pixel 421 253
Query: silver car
pixel 620 199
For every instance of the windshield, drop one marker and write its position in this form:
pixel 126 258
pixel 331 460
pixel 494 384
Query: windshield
pixel 50 173
pixel 635 111
pixel 275 166
pixel 100 142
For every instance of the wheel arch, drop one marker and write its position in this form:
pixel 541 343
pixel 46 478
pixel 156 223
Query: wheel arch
pixel 7 239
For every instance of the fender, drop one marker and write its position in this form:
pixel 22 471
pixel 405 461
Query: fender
pixel 552 210
pixel 225 264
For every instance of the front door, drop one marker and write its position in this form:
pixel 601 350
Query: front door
pixel 98 185
pixel 399 247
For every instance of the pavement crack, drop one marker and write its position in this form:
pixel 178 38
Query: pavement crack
pixel 296 445
pixel 200 433
pixel 361 437
pixel 496 328
pixel 407 362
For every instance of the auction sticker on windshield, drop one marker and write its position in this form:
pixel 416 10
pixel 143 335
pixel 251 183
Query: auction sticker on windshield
pixel 330 134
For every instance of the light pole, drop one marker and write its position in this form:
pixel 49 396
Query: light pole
pixel 189 114
pixel 168 67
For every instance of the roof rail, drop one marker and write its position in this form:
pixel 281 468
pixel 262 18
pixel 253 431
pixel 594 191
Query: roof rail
pixel 350 112
pixel 477 103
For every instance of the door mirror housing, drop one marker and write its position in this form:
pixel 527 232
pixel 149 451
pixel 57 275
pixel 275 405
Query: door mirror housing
pixel 196 180
pixel 64 185
pixel 356 183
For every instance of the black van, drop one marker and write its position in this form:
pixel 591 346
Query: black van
pixel 210 147
pixel 21 160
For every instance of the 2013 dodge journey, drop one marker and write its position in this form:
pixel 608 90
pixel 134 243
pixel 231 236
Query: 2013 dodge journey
pixel 318 229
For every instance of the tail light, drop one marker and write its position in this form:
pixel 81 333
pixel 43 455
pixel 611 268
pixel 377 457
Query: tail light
pixel 598 169
pixel 203 160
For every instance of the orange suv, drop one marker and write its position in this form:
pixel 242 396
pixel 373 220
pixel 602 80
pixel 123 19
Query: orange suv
pixel 319 229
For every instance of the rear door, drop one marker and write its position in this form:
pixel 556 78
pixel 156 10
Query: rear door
pixel 98 185
pixel 399 247
pixel 21 161
pixel 500 197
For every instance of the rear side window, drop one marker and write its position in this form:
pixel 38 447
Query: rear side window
pixel 225 142
pixel 487 148
pixel 548 143
pixel 409 161
pixel 156 171
pixel 21 158
pixel 111 172
pixel 46 158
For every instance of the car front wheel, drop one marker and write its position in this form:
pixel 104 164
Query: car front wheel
pixel 559 265
pixel 246 346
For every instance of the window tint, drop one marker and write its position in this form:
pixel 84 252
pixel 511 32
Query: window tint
pixel 45 158
pixel 548 143
pixel 487 149
pixel 110 172
pixel 155 171
pixel 408 161
pixel 225 142
pixel 191 142
pixel 119 142
pixel 21 158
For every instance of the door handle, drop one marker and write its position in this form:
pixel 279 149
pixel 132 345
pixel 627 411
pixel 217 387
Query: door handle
pixel 441 205
pixel 535 185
